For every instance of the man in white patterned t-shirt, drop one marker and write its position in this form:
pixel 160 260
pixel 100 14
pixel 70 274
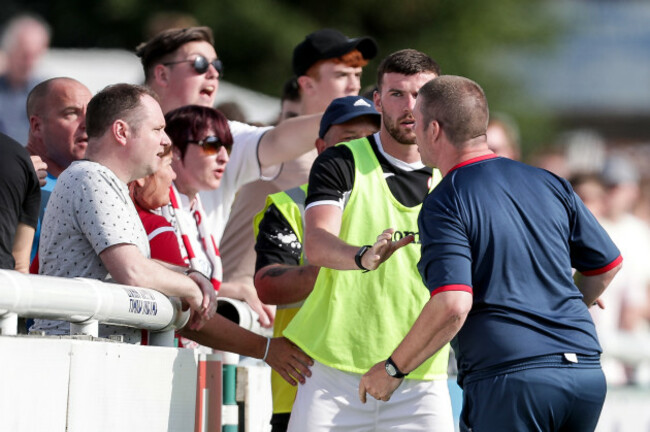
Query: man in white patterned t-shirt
pixel 91 228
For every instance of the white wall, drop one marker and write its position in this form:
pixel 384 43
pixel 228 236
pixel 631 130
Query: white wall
pixel 60 385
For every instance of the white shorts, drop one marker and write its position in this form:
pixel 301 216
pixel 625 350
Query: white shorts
pixel 329 401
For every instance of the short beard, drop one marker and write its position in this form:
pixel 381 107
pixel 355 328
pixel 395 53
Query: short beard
pixel 397 134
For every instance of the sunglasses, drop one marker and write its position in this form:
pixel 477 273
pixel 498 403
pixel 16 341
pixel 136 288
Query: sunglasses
pixel 201 64
pixel 211 145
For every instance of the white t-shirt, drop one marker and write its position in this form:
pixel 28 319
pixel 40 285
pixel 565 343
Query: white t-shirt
pixel 89 211
pixel 243 167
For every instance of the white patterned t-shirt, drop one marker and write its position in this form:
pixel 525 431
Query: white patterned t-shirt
pixel 89 211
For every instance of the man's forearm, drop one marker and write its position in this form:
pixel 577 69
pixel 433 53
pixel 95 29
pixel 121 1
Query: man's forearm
pixel 592 287
pixel 222 334
pixel 325 249
pixel 440 320
pixel 22 247
pixel 129 267
pixel 280 284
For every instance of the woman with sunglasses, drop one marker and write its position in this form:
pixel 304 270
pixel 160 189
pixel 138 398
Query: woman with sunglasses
pixel 153 192
pixel 201 147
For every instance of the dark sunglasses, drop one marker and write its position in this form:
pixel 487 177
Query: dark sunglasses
pixel 201 64
pixel 211 145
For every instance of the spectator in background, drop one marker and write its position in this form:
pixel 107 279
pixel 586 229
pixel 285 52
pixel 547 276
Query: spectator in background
pixel 233 111
pixel 290 100
pixel 56 109
pixel 24 41
pixel 591 190
pixel 182 67
pixel 327 65
pixel 149 194
pixel 503 136
pixel 19 199
pixel 282 276
pixel 552 159
pixel 626 300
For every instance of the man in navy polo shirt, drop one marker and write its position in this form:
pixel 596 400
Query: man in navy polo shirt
pixel 499 241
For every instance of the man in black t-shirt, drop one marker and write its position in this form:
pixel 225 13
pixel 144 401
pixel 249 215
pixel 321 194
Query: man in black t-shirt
pixel 356 191
pixel 20 198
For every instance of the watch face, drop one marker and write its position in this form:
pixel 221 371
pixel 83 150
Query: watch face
pixel 390 369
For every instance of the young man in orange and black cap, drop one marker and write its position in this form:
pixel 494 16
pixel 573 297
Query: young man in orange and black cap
pixel 327 65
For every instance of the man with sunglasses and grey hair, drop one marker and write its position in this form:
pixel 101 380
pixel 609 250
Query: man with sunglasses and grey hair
pixel 182 67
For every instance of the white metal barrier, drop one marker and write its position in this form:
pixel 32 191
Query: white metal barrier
pixel 85 302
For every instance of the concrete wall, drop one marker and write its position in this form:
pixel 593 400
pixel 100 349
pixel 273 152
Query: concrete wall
pixel 77 386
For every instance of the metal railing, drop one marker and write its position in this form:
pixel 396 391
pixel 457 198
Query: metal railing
pixel 85 303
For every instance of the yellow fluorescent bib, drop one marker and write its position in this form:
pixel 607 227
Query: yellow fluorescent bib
pixel 291 204
pixel 352 319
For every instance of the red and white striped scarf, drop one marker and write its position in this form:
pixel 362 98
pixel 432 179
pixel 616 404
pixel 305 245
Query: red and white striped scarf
pixel 208 244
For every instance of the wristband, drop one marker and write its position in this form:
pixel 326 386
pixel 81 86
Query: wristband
pixel 191 270
pixel 359 254
pixel 266 351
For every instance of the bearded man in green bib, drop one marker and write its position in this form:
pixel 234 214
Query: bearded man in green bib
pixel 362 205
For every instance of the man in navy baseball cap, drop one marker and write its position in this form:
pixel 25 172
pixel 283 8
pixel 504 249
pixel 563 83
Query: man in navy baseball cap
pixel 277 262
pixel 348 109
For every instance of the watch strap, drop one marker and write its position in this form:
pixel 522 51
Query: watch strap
pixel 357 258
pixel 393 370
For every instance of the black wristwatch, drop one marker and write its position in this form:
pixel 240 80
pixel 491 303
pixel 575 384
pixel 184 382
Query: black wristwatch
pixel 392 370
pixel 357 257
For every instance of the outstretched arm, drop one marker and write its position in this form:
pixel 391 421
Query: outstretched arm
pixel 288 140
pixel 324 248
pixel 283 356
pixel 440 320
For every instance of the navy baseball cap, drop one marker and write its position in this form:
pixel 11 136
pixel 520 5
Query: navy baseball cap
pixel 328 44
pixel 344 109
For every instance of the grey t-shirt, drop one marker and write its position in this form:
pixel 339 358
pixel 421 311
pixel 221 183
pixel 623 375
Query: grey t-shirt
pixel 89 211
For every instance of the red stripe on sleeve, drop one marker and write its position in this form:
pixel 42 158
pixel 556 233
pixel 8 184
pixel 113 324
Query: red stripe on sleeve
pixel 605 269
pixel 457 287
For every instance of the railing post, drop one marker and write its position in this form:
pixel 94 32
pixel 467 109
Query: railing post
pixel 209 393
pixel 230 413
pixel 90 328
pixel 164 338
pixel 9 324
